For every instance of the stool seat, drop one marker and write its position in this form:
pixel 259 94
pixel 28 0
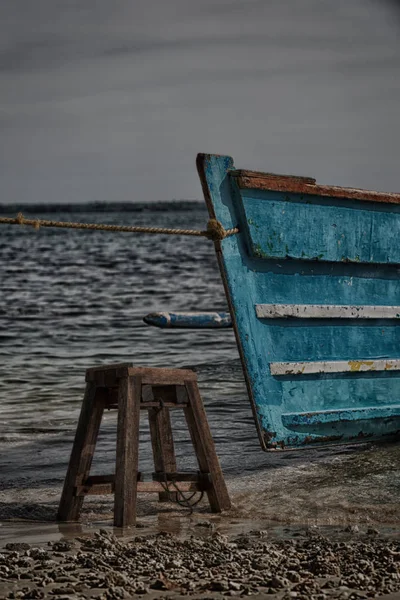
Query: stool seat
pixel 111 374
pixel 129 389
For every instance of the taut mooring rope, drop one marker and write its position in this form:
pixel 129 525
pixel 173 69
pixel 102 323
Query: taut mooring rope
pixel 215 230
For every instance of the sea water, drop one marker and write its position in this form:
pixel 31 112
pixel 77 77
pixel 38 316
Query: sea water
pixel 73 299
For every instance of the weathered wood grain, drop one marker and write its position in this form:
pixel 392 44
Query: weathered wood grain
pixel 149 376
pixel 165 391
pixel 331 232
pixel 326 311
pixel 275 177
pixel 82 453
pixel 307 185
pixel 126 472
pixel 203 443
pixel 335 366
pixel 146 487
pixel 161 436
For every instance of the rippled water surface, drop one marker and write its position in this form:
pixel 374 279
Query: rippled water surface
pixel 72 299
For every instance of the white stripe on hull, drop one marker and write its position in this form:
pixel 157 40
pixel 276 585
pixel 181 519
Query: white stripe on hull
pixel 326 311
pixel 336 366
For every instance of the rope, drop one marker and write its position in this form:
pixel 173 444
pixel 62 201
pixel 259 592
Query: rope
pixel 180 497
pixel 175 495
pixel 215 230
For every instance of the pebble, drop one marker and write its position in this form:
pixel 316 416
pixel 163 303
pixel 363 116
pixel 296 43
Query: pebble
pixel 352 529
pixel 62 546
pixel 65 579
pixel 17 546
pixel 108 568
pixel 63 590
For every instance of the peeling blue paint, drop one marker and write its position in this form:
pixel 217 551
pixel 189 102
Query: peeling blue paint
pixel 311 250
pixel 333 230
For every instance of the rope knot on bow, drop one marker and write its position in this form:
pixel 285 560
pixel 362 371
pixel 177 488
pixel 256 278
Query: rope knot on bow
pixel 215 230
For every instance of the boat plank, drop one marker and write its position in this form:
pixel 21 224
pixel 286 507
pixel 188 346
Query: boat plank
pixel 336 366
pixel 326 311
pixel 336 232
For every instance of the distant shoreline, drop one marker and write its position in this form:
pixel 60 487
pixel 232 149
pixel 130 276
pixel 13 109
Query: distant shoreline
pixel 101 207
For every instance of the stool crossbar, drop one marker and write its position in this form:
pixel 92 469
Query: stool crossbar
pixel 130 389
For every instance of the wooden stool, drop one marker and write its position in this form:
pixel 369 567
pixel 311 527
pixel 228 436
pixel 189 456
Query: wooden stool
pixel 130 389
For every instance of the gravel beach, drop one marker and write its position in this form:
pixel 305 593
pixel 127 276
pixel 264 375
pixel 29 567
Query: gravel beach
pixel 206 565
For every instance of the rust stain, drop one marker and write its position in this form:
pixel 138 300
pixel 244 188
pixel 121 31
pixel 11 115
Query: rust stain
pixel 355 365
pixel 279 445
pixel 269 435
pixel 274 176
pixel 322 439
pixel 306 185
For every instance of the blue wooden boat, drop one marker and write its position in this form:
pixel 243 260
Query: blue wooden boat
pixel 312 282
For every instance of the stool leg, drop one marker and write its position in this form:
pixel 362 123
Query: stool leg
pixel 82 452
pixel 163 446
pixel 126 472
pixel 205 450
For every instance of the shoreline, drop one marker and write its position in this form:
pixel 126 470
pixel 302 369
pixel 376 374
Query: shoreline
pixel 323 529
pixel 358 486
pixel 178 523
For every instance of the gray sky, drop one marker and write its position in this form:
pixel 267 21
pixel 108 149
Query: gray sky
pixel 111 100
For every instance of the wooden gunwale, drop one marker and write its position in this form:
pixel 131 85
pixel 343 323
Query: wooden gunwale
pixel 306 185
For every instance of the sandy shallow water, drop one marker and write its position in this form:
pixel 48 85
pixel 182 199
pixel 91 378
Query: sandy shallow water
pixel 314 525
pixel 359 485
